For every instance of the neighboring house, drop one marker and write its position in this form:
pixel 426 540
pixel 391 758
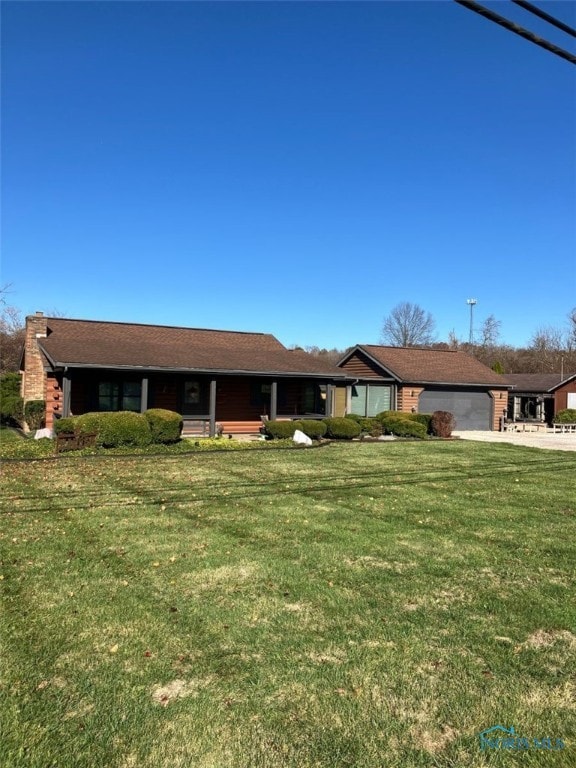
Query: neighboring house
pixel 208 376
pixel 425 380
pixel 539 396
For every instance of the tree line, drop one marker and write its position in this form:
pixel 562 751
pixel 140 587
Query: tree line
pixel 550 350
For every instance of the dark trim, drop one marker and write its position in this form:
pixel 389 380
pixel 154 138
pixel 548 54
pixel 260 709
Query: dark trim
pixel 274 401
pixel 221 372
pixel 66 389
pixel 478 385
pixel 212 407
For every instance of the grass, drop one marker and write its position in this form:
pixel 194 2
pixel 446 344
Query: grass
pixel 15 445
pixel 354 605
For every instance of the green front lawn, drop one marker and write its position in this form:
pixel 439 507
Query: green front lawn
pixel 354 605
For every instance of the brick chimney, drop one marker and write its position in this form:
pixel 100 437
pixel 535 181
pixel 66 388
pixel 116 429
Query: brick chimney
pixel 33 376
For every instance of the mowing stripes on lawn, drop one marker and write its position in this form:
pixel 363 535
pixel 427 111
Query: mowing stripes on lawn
pixel 363 605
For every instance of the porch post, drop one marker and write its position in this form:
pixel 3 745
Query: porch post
pixel 329 399
pixel 144 395
pixel 274 401
pixel 212 431
pixel 66 387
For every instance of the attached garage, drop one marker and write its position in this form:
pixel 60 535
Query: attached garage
pixel 471 409
pixel 424 380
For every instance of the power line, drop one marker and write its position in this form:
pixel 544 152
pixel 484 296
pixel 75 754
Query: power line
pixel 546 16
pixel 518 30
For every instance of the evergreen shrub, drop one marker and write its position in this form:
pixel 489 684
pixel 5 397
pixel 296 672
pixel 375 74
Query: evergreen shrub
pixel 115 428
pixel 165 426
pixel 341 428
pixel 35 414
pixel 65 425
pixel 11 404
pixel 567 416
pixel 280 430
pixel 423 418
pixel 314 429
pixel 403 427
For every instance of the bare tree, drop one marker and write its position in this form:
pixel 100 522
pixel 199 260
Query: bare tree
pixel 11 337
pixel 547 345
pixel 453 340
pixel 571 333
pixel 408 325
pixel 490 332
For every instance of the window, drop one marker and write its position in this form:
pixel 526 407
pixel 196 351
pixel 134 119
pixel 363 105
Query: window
pixel 195 397
pixel 119 396
pixel 370 399
pixel 315 398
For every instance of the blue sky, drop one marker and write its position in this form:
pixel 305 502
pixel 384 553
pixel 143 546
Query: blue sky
pixel 297 168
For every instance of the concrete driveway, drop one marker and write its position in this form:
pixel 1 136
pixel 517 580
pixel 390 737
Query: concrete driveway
pixel 555 442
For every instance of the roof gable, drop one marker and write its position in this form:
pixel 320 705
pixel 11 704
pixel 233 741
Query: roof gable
pixel 416 365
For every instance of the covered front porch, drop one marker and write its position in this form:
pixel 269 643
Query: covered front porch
pixel 208 403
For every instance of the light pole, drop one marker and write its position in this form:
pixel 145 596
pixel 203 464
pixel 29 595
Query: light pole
pixel 471 302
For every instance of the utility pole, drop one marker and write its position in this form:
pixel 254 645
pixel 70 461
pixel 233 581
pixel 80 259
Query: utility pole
pixel 471 302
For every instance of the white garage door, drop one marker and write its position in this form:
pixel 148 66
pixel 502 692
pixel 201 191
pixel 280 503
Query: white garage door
pixel 472 410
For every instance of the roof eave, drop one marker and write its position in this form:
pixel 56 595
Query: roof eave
pixel 61 365
pixel 483 384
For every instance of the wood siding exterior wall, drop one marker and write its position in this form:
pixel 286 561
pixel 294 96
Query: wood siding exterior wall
pixel 499 406
pixel 163 393
pixel 362 367
pixel 407 398
pixel 561 395
pixel 239 401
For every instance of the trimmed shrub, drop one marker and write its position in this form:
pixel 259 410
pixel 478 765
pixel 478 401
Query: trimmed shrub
pixel 280 430
pixel 341 428
pixel 34 414
pixel 402 427
pixel 115 428
pixel 314 429
pixel 399 414
pixel 11 404
pixel 165 426
pixel 443 423
pixel 67 425
pixel 567 416
pixel 419 418
pixel 423 418
pixel 372 426
pixel 369 425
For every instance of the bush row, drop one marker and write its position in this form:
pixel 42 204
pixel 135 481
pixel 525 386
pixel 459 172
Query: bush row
pixel 114 429
pixel 348 427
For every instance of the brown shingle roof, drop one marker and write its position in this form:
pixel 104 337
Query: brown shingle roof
pixel 92 343
pixel 534 382
pixel 417 365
